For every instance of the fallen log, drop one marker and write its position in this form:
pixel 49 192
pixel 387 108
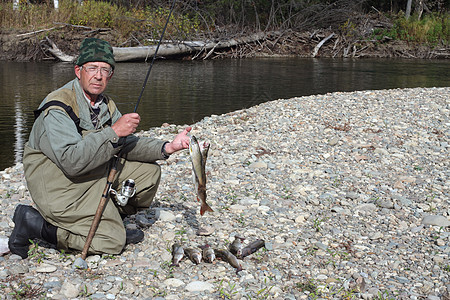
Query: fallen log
pixel 122 54
pixel 33 33
pixel 316 49
pixel 58 53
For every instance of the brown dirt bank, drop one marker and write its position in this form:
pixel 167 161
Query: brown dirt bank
pixel 32 46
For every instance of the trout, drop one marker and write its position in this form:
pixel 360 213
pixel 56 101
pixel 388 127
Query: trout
pixel 229 257
pixel 199 154
pixel 177 254
pixel 208 254
pixel 195 255
pixel 236 246
pixel 252 248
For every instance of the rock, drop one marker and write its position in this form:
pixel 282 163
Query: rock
pixel 70 290
pixel 205 230
pixel 173 282
pixel 4 249
pixel 199 286
pixel 46 268
pixel 367 207
pixel 163 215
pixel 258 165
pixel 80 263
pixel 436 221
pixel 369 228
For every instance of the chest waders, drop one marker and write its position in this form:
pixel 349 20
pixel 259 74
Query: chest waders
pixel 112 173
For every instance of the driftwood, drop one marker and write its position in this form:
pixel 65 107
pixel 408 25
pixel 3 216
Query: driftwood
pixel 316 49
pixel 122 54
pixel 58 53
pixel 37 31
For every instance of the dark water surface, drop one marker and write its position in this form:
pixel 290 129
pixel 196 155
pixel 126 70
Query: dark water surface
pixel 183 92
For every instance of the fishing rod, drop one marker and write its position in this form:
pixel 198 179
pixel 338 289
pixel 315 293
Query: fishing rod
pixel 154 57
pixel 113 171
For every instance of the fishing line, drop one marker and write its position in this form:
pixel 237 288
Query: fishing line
pixel 154 57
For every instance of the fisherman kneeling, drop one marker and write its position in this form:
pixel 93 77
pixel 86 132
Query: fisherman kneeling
pixel 77 132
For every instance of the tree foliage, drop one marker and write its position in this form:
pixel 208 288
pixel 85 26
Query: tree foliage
pixel 283 14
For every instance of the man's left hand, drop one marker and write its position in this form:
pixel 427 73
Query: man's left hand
pixel 180 142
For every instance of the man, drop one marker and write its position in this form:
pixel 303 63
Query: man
pixel 77 132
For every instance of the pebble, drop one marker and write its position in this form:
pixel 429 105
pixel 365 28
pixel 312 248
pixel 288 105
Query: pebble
pixel 360 213
pixel 46 268
pixel 436 220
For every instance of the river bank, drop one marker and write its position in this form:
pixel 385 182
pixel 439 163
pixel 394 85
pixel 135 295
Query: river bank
pixel 350 192
pixel 35 45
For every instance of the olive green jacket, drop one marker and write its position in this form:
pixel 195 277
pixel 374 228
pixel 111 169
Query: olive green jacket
pixel 66 170
pixel 55 135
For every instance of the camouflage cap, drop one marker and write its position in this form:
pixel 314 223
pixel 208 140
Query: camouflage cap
pixel 93 49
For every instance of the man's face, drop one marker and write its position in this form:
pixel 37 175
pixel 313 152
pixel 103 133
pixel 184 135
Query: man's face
pixel 94 77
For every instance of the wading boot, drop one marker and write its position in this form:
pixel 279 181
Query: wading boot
pixel 29 225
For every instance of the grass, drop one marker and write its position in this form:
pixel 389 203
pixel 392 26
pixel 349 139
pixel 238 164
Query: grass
pixel 97 14
pixel 228 290
pixel 18 288
pixel 432 29
pixel 35 253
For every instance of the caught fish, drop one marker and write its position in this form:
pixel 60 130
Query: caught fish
pixel 199 154
pixel 229 257
pixel 177 254
pixel 252 248
pixel 236 246
pixel 208 254
pixel 194 254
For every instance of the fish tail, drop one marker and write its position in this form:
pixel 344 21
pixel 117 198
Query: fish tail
pixel 204 208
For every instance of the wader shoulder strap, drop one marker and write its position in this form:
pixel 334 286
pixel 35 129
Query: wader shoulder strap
pixel 66 107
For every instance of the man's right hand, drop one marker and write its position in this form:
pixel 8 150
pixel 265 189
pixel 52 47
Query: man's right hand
pixel 126 125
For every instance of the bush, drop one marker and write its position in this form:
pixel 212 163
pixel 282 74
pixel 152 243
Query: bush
pixel 431 29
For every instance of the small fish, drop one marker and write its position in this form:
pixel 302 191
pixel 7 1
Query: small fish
pixel 236 246
pixel 229 257
pixel 194 254
pixel 177 254
pixel 199 154
pixel 208 254
pixel 252 248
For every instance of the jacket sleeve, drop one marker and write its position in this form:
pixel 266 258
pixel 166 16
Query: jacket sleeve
pixel 73 154
pixel 76 155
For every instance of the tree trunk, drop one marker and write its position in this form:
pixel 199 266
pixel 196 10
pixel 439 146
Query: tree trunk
pixel 181 48
pixel 56 4
pixel 408 9
pixel 15 4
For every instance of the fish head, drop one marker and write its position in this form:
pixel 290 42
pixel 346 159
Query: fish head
pixel 193 145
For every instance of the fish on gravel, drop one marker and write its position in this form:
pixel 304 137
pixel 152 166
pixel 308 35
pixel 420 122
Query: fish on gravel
pixel 236 246
pixel 208 254
pixel 195 255
pixel 199 153
pixel 227 256
pixel 177 254
pixel 252 248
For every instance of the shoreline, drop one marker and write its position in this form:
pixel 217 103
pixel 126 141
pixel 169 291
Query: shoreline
pixel 349 190
pixel 66 40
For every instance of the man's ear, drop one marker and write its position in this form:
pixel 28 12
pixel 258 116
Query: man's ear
pixel 77 71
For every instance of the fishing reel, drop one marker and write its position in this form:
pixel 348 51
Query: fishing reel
pixel 128 191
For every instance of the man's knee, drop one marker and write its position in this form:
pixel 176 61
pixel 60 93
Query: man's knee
pixel 109 244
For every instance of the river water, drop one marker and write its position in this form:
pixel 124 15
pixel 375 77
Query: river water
pixel 183 92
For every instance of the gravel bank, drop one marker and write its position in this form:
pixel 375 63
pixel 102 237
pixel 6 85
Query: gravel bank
pixel 350 192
